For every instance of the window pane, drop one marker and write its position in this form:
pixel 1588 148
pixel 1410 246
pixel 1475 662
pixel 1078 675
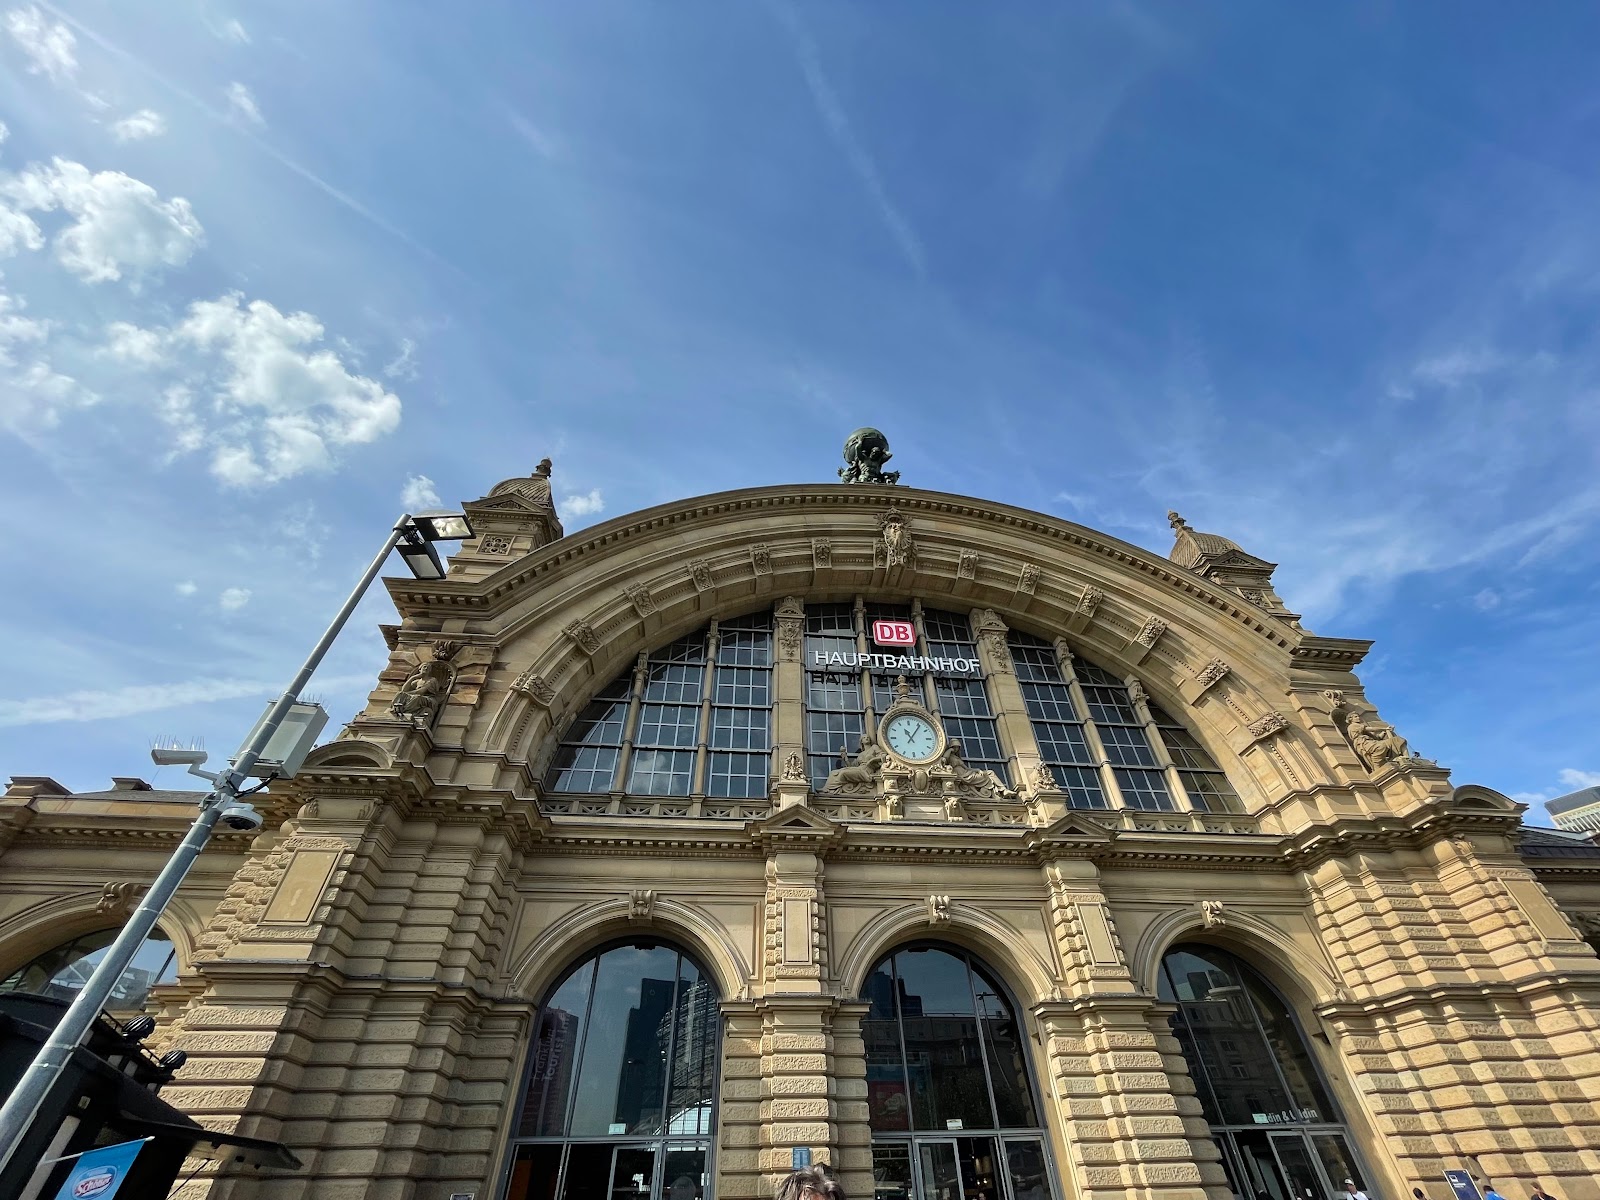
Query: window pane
pixel 697 1020
pixel 1008 1072
pixel 738 775
pixel 584 769
pixel 61 972
pixel 660 772
pixel 1082 785
pixel 1030 1176
pixel 534 1173
pixel 1062 743
pixel 1144 790
pixel 623 1078
pixel 685 1175
pixel 1286 1046
pixel 588 1172
pixel 891 1171
pixel 750 686
pixel 668 725
pixel 943 1056
pixel 673 682
pixel 557 1041
pixel 739 728
pixel 1209 791
pixel 1127 746
pixel 888 1103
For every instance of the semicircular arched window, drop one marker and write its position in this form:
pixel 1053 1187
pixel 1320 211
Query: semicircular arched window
pixel 950 1092
pixel 1271 1114
pixel 694 720
pixel 620 1092
pixel 60 973
pixel 1098 745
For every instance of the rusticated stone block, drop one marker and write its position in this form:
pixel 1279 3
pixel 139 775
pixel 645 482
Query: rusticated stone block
pixel 798 1062
pixel 798 1085
pixel 799 1041
pixel 812 1107
pixel 1170 1173
pixel 1145 1149
pixel 798 1133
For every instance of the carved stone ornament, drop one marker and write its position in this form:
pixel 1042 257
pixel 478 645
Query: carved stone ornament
pixel 118 899
pixel 1150 632
pixel 1335 699
pixel 425 689
pixel 821 553
pixel 790 615
pixel 976 782
pixel 858 776
pixel 1028 579
pixel 865 452
pixel 895 533
pixel 938 910
pixel 1211 913
pixel 761 558
pixel 1212 673
pixel 641 904
pixel 790 608
pixel 700 573
pixel 1266 726
pixel 1376 744
pixel 1042 779
pixel 534 686
pixel 639 596
pixel 494 543
pixel 1136 692
pixel 967 565
pixel 581 632
pixel 1063 656
pixel 953 810
pixel 986 620
pixel 794 769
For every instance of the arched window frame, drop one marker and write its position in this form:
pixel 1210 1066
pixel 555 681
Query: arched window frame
pixel 122 999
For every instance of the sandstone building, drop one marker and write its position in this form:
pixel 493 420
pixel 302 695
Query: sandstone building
pixel 983 855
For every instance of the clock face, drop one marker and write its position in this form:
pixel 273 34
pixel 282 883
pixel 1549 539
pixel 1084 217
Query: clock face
pixel 911 737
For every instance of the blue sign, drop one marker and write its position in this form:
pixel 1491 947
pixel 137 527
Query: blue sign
pixel 99 1173
pixel 800 1158
pixel 1461 1184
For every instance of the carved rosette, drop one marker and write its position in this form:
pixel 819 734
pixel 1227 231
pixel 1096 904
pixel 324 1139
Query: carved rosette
pixel 583 636
pixel 790 616
pixel 1270 725
pixel 1150 632
pixel 761 558
pixel 990 631
pixel 639 596
pixel 700 574
pixel 535 687
pixel 1028 579
pixel 894 539
pixel 967 565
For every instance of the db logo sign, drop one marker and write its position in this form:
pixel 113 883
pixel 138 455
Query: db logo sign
pixel 894 633
pixel 96 1183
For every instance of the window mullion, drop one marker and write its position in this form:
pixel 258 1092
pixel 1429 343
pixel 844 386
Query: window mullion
pixel 630 727
pixel 1091 734
pixel 1158 744
pixel 697 778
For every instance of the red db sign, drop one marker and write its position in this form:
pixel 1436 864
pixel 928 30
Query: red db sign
pixel 893 633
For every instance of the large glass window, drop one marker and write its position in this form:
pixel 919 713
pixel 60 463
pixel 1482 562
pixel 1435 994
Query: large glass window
pixel 838 701
pixel 1280 1132
pixel 1057 724
pixel 1208 788
pixel 620 1100
pixel 678 744
pixel 949 1096
pixel 61 973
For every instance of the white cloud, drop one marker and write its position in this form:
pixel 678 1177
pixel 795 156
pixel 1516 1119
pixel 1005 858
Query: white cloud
pixel 146 123
pixel 1575 779
pixel 126 701
pixel 120 224
pixel 1487 600
pixel 419 494
pixel 585 505
pixel 404 365
pixel 186 587
pixel 33 393
pixel 233 31
pixel 277 403
pixel 241 101
pixel 50 46
pixel 233 599
pixel 17 231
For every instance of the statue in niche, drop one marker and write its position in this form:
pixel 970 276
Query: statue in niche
pixel 425 688
pixel 859 777
pixel 976 780
pixel 865 452
pixel 1375 743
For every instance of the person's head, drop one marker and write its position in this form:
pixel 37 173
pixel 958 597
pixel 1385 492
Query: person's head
pixel 811 1183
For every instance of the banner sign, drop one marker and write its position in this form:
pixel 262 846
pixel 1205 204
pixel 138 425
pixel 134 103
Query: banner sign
pixel 1461 1184
pixel 99 1173
pixel 902 664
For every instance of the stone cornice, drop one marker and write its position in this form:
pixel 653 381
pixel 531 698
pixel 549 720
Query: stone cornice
pixel 485 598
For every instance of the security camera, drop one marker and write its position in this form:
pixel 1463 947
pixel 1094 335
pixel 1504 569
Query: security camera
pixel 241 818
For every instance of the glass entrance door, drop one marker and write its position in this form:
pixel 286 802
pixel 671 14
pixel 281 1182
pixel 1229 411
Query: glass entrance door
pixel 981 1167
pixel 1305 1180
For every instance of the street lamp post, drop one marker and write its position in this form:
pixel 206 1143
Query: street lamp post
pixel 414 535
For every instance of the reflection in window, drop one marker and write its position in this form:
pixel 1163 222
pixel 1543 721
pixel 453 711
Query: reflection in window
pixel 625 1051
pixel 943 1049
pixel 676 744
pixel 61 973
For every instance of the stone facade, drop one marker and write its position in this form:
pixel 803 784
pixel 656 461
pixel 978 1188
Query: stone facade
pixel 359 980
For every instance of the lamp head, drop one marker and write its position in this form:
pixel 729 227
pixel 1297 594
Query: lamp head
pixel 442 526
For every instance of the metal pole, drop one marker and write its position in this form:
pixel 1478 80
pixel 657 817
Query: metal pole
pixel 18 1111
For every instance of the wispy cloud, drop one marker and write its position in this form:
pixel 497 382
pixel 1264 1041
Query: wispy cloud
pixel 242 102
pixel 50 47
pixel 135 127
pixel 842 131
pixel 419 494
pixel 585 504
pixel 233 599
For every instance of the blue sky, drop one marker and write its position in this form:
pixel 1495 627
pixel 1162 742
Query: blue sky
pixel 1322 278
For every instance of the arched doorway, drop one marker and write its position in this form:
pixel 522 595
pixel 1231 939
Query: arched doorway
pixel 1271 1113
pixel 951 1100
pixel 619 1100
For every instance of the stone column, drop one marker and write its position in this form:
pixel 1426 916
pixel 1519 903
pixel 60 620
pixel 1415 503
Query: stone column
pixel 789 685
pixel 1010 709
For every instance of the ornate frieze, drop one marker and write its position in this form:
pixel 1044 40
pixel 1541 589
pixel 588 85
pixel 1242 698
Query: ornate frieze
pixel 1267 725
pixel 938 910
pixel 790 616
pixel 641 904
pixel 1089 601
